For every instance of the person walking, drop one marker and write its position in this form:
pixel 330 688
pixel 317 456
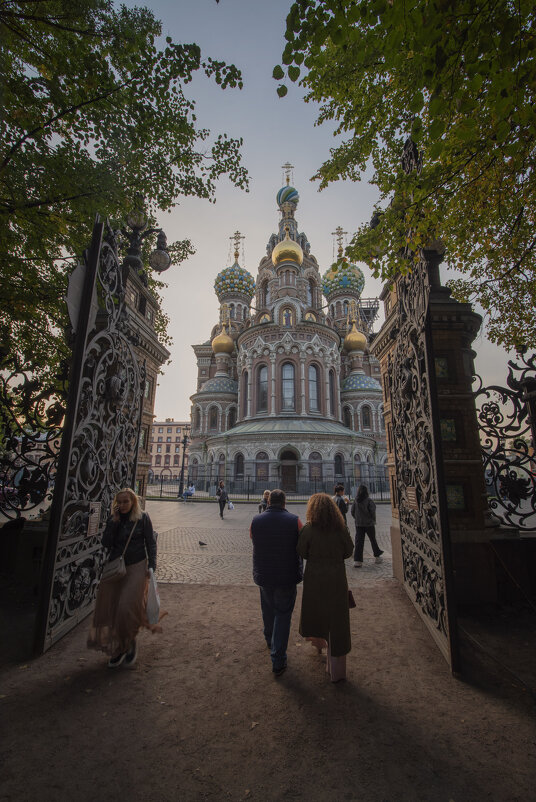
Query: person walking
pixel 223 497
pixel 342 501
pixel 277 569
pixel 265 500
pixel 325 618
pixel 120 605
pixel 364 512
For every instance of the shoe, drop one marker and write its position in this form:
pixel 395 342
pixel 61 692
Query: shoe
pixel 357 565
pixel 131 656
pixel 221 516
pixel 115 662
pixel 378 559
pixel 279 671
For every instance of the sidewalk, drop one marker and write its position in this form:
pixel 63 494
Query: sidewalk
pixel 202 718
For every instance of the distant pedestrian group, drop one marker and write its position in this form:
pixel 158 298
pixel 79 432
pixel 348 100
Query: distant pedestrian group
pixel 280 545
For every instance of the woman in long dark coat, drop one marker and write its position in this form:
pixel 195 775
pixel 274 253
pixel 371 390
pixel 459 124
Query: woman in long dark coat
pixel 325 543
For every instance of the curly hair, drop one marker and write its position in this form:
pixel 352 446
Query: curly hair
pixel 135 511
pixel 324 513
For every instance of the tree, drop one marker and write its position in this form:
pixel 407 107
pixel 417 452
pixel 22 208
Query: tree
pixel 93 113
pixel 458 77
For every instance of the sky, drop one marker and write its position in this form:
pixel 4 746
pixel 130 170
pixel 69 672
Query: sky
pixel 249 33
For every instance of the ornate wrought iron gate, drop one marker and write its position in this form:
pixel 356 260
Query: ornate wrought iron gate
pixel 418 463
pixel 99 443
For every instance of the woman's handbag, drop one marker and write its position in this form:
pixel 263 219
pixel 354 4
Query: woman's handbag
pixel 114 570
pixel 351 600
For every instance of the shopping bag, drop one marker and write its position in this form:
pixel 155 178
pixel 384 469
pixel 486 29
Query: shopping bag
pixel 230 506
pixel 153 600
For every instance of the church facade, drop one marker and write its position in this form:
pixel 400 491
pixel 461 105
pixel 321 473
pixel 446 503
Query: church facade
pixel 288 393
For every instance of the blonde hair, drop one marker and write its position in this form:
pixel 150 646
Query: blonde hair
pixel 324 513
pixel 266 494
pixel 135 511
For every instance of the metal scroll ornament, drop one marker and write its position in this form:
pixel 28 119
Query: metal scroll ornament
pixel 416 459
pixel 99 447
pixel 507 420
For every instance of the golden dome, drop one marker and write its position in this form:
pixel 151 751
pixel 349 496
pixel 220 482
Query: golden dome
pixel 355 340
pixel 287 250
pixel 222 343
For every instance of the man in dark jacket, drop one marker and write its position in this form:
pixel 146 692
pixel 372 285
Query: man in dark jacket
pixel 277 569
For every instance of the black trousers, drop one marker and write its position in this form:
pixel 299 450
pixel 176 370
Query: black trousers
pixel 360 532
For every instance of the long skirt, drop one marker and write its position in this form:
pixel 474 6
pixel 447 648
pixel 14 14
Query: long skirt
pixel 335 666
pixel 120 611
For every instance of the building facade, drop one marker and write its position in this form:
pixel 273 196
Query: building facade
pixel 168 449
pixel 288 392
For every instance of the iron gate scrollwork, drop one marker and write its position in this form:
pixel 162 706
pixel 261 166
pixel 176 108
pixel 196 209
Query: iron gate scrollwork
pixel 418 462
pixel 99 444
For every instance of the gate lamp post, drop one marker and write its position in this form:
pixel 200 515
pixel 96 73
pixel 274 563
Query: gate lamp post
pixel 181 481
pixel 159 259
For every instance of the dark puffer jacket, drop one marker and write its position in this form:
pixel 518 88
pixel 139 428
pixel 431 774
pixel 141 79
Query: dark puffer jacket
pixel 275 560
pixel 142 544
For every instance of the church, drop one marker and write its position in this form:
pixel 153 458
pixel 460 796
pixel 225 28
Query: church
pixel 288 393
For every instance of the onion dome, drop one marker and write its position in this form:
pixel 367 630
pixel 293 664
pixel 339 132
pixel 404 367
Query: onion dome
pixel 220 384
pixel 359 381
pixel 222 343
pixel 287 195
pixel 355 340
pixel 234 281
pixel 287 251
pixel 342 277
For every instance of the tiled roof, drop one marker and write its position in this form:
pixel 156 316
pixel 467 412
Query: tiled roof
pixel 359 381
pixel 220 384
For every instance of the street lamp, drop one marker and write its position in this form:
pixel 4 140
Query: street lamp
pixel 159 259
pixel 181 482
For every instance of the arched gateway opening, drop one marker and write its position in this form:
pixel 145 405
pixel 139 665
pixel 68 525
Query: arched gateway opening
pixel 289 471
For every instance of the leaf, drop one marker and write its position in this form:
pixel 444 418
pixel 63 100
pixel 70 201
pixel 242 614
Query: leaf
pixel 277 72
pixel 293 73
pixel 282 90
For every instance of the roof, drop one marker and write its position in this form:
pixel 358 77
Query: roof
pixel 301 426
pixel 359 381
pixel 220 384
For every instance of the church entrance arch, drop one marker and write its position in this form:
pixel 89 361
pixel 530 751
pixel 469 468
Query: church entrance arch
pixel 289 471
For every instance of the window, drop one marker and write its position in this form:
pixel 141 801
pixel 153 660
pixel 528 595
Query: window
pixel 148 389
pixel 262 389
pixel 159 449
pixel 347 417
pixel 158 460
pixel 168 439
pixel 232 311
pixel 160 430
pixel 142 305
pixel 197 419
pixel 239 465
pixel 315 466
pixel 338 465
pixel 169 429
pixel 261 467
pixel 176 459
pixel 245 388
pixel 331 380
pixel 288 402
pixel 177 449
pixel 159 439
pixel 149 314
pixel 178 430
pixel 232 417
pixel 221 467
pixel 213 418
pixel 313 389
pixel 366 418
pixel 168 449
pixel 166 459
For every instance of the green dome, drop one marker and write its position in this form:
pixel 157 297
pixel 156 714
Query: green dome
pixel 234 281
pixel 342 276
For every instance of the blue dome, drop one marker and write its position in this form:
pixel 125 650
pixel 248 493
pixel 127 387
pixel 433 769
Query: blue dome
pixel 220 384
pixel 286 194
pixel 234 280
pixel 342 276
pixel 358 381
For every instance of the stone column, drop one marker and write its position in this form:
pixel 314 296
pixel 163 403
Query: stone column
pixel 302 382
pixel 272 385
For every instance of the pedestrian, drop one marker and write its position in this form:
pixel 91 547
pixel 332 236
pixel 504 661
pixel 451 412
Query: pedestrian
pixel 342 501
pixel 277 569
pixel 264 501
pixel 223 497
pixel 120 605
pixel 364 512
pixel 325 618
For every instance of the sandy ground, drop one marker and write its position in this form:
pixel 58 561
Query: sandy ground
pixel 202 717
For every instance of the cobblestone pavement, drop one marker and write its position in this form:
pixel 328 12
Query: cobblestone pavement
pixel 225 559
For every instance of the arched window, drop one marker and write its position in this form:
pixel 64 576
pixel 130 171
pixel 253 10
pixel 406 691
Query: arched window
pixel 345 307
pixel 357 468
pixel 347 417
pixel 194 470
pixel 166 459
pixel 338 309
pixel 262 389
pixel 158 460
pixel 288 402
pixel 315 466
pixel 176 459
pixel 331 380
pixel 232 417
pixel 366 418
pixel 261 467
pixel 213 418
pixel 232 311
pixel 221 466
pixel 245 389
pixel 239 465
pixel 314 373
pixel 197 419
pixel 339 465
pixel 287 318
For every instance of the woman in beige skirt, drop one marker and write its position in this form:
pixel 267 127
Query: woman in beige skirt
pixel 120 606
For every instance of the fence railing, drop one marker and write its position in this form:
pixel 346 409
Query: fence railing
pixel 248 488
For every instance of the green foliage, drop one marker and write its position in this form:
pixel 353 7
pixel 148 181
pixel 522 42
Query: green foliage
pixel 459 77
pixel 93 112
